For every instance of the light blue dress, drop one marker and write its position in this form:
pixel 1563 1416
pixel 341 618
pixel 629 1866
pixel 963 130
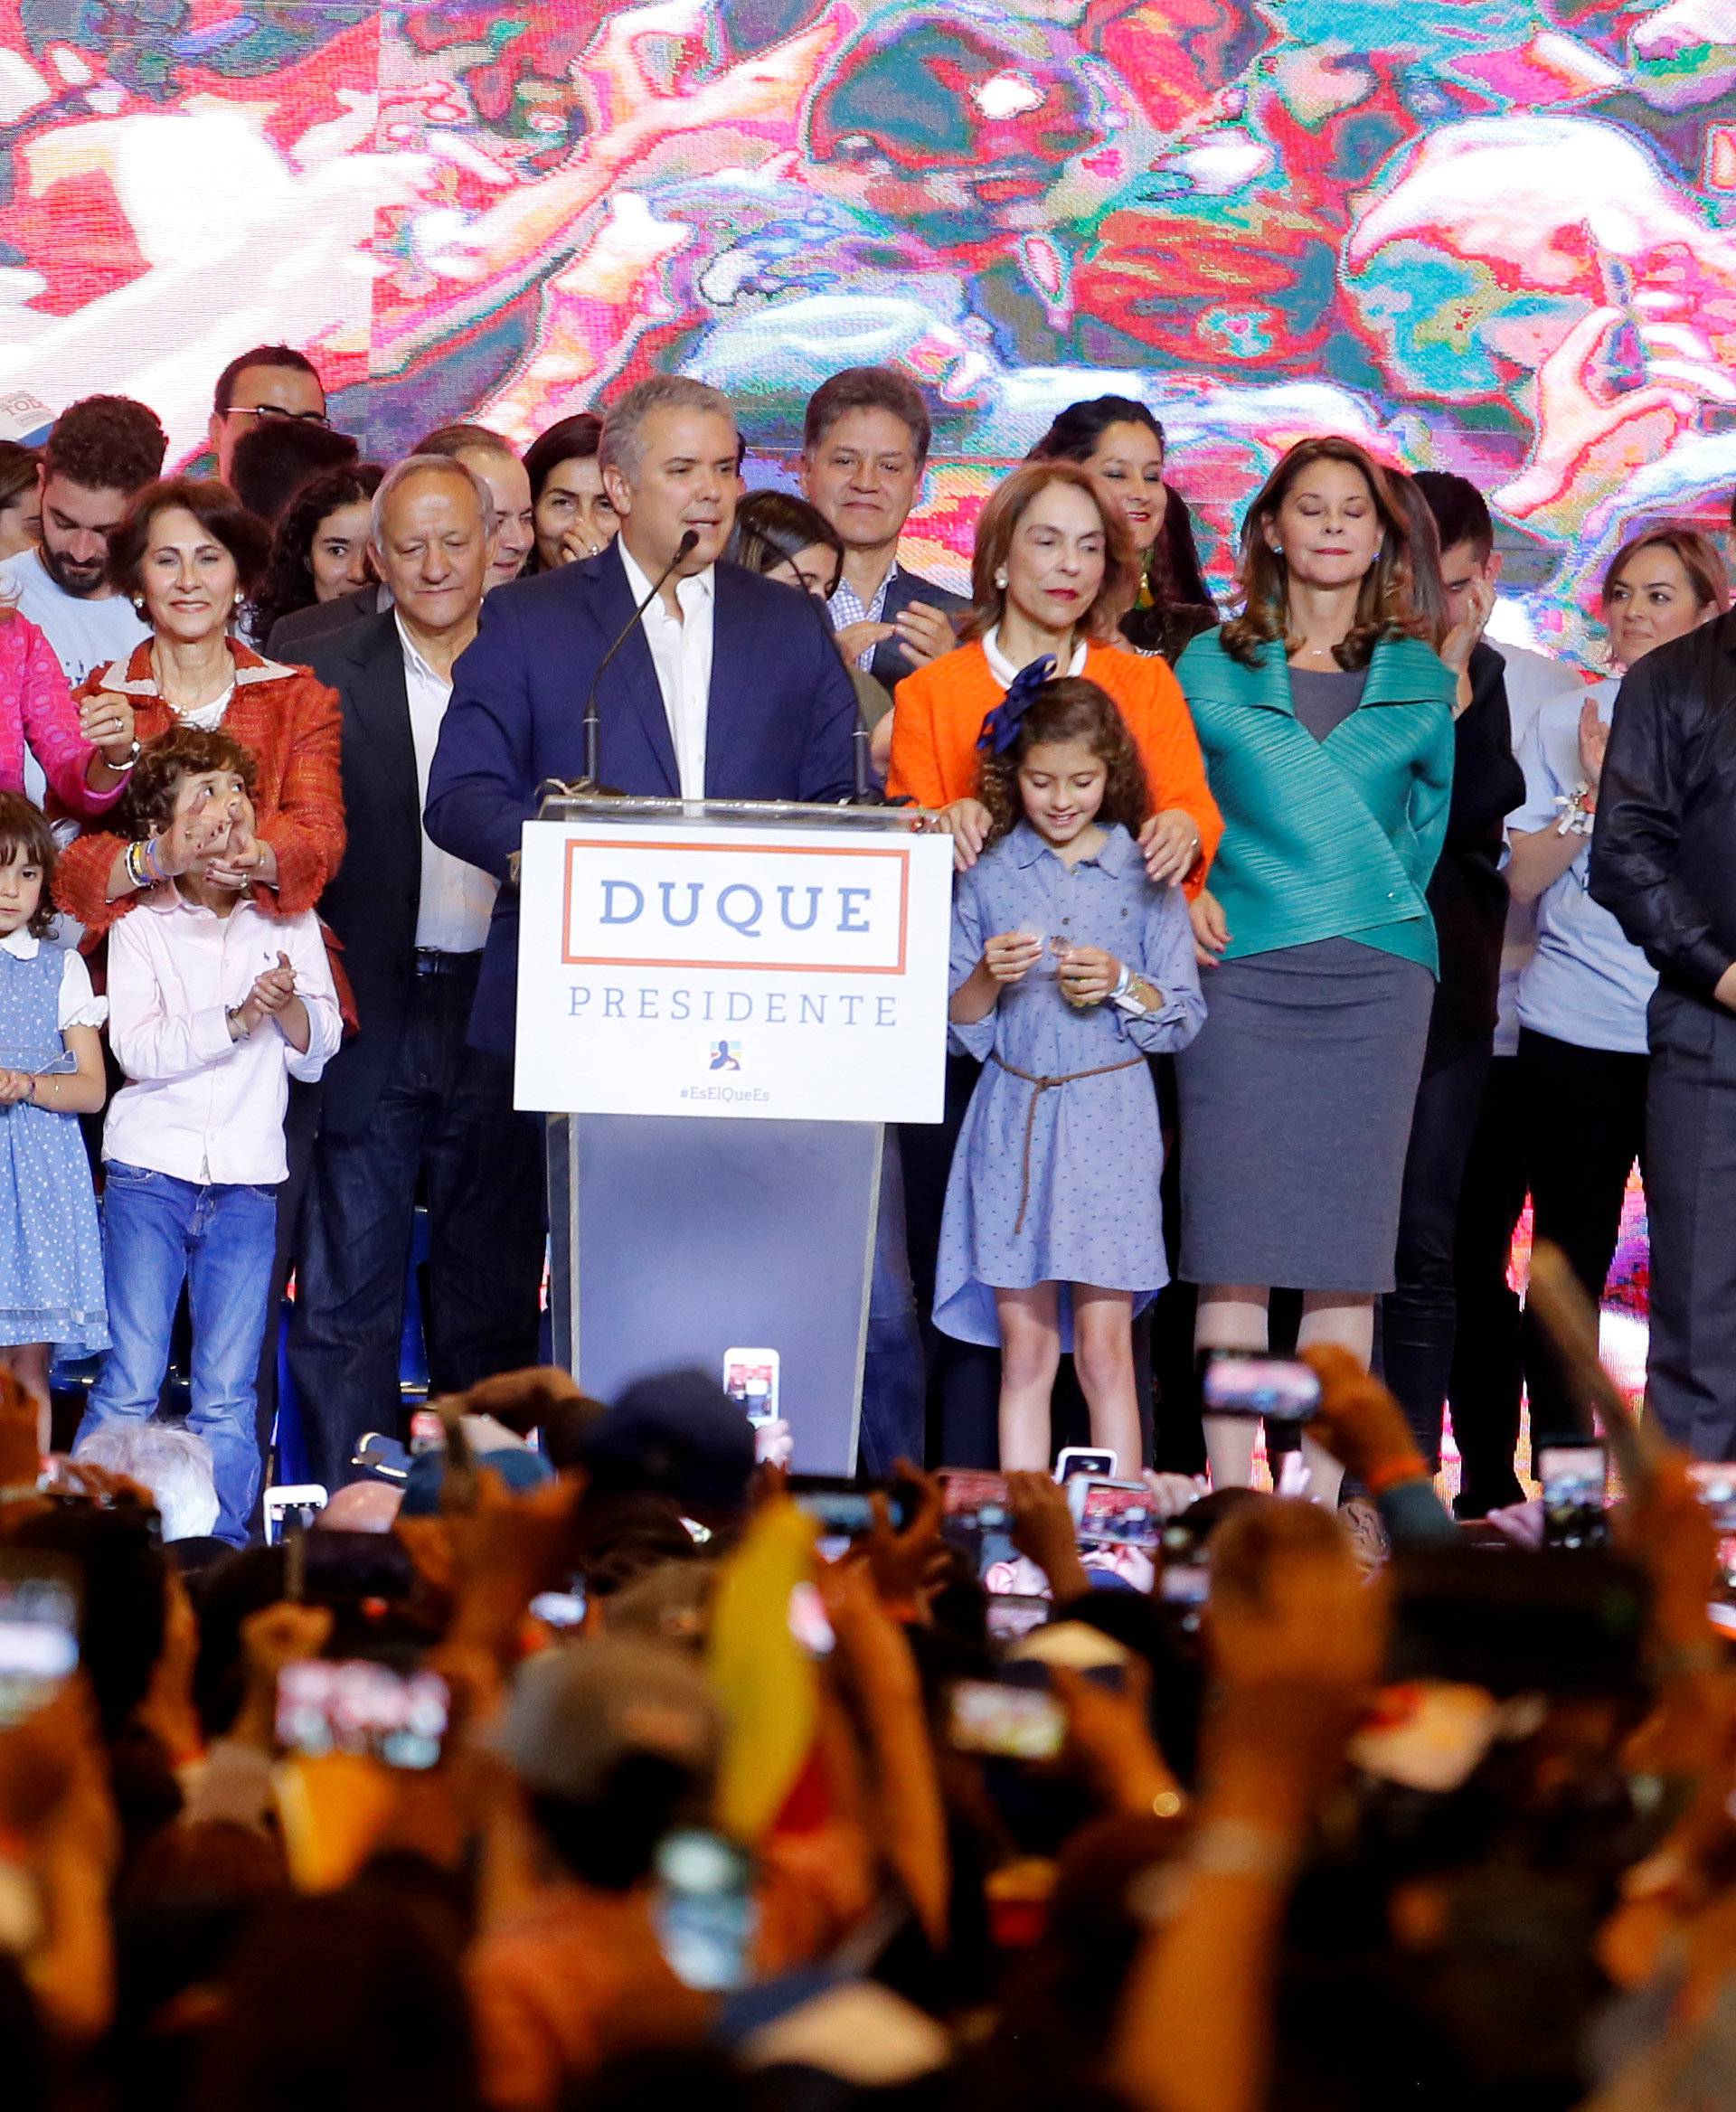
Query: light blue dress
pixel 51 1248
pixel 1085 1160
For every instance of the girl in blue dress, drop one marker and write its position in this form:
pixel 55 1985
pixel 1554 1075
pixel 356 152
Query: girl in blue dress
pixel 50 1072
pixel 1069 968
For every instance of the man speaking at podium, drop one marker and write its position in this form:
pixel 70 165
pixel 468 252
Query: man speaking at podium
pixel 709 680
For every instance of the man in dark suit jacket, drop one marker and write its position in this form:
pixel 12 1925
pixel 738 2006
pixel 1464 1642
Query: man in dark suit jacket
pixel 1661 865
pixel 865 446
pixel 294 636
pixel 724 688
pixel 408 1102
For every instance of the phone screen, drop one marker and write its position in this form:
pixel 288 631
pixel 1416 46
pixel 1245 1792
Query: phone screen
pixel 1575 1479
pixel 706 1914
pixel 290 1510
pixel 1275 1388
pixel 1078 1459
pixel 844 1509
pixel 1014 1614
pixel 560 1609
pixel 977 1519
pixel 335 1567
pixel 750 1381
pixel 1715 1485
pixel 357 1706
pixel 1113 1513
pixel 1005 1723
pixel 39 1633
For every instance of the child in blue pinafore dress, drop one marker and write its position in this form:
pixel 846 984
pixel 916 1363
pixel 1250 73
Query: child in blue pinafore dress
pixel 50 1072
pixel 1068 967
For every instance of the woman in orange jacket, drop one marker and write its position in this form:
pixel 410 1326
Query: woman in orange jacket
pixel 1053 572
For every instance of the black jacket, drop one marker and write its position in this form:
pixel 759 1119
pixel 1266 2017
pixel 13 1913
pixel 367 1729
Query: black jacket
pixel 1469 891
pixel 293 636
pixel 1663 851
pixel 373 901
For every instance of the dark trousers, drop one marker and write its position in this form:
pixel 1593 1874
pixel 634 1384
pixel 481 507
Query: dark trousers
pixel 1691 1200
pixel 1488 1374
pixel 445 1119
pixel 1585 1125
pixel 1420 1315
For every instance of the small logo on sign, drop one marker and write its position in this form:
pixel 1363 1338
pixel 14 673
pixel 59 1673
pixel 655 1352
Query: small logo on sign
pixel 724 1055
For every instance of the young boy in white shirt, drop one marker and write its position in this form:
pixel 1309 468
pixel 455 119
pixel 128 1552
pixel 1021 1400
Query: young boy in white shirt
pixel 214 1005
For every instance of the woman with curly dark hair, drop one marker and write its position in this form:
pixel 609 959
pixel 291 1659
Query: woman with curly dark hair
pixel 320 548
pixel 1326 719
pixel 1070 966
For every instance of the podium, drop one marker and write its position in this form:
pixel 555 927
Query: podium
pixel 720 1005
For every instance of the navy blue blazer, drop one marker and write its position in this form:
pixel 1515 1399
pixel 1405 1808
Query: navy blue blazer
pixel 779 724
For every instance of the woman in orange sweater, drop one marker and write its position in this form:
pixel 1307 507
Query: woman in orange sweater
pixel 186 553
pixel 1053 569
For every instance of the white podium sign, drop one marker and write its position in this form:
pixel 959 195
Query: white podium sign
pixel 771 972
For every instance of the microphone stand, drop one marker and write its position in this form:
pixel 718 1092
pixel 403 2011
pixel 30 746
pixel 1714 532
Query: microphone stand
pixel 592 727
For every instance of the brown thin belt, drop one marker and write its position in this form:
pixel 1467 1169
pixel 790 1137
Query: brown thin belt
pixel 1040 1086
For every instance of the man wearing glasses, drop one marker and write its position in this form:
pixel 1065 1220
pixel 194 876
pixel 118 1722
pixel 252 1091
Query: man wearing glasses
pixel 271 381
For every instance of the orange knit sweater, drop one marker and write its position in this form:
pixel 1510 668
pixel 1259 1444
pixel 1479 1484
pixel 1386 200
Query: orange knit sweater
pixel 940 709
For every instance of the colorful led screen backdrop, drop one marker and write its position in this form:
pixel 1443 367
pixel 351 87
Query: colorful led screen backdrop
pixel 1494 235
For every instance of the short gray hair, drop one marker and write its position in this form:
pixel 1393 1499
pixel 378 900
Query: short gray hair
pixel 420 465
pixel 173 1462
pixel 621 446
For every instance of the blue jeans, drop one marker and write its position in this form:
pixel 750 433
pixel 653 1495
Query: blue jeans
pixel 157 1233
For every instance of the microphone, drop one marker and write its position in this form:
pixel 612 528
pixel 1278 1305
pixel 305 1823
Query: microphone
pixel 592 720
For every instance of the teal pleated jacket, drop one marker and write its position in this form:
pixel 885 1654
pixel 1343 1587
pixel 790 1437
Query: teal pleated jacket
pixel 1334 838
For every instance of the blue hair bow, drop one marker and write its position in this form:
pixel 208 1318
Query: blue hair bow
pixel 1001 728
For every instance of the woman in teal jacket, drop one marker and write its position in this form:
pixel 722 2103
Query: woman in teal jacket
pixel 1326 721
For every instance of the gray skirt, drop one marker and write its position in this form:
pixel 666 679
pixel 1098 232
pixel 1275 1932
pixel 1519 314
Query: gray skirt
pixel 1296 1104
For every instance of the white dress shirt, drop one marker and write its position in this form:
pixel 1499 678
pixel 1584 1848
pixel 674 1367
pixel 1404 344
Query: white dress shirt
pixel 681 652
pixel 457 900
pixel 201 1106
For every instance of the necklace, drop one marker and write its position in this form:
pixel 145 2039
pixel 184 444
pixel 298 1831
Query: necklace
pixel 181 708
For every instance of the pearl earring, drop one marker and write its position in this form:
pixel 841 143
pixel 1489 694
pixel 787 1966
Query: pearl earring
pixel 1000 581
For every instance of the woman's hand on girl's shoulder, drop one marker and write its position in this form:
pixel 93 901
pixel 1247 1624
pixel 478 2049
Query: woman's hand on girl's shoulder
pixel 967 822
pixel 1170 842
pixel 1211 933
pixel 1010 956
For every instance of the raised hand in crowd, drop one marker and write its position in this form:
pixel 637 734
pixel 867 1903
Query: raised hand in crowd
pixel 1044 1529
pixel 1296 1641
